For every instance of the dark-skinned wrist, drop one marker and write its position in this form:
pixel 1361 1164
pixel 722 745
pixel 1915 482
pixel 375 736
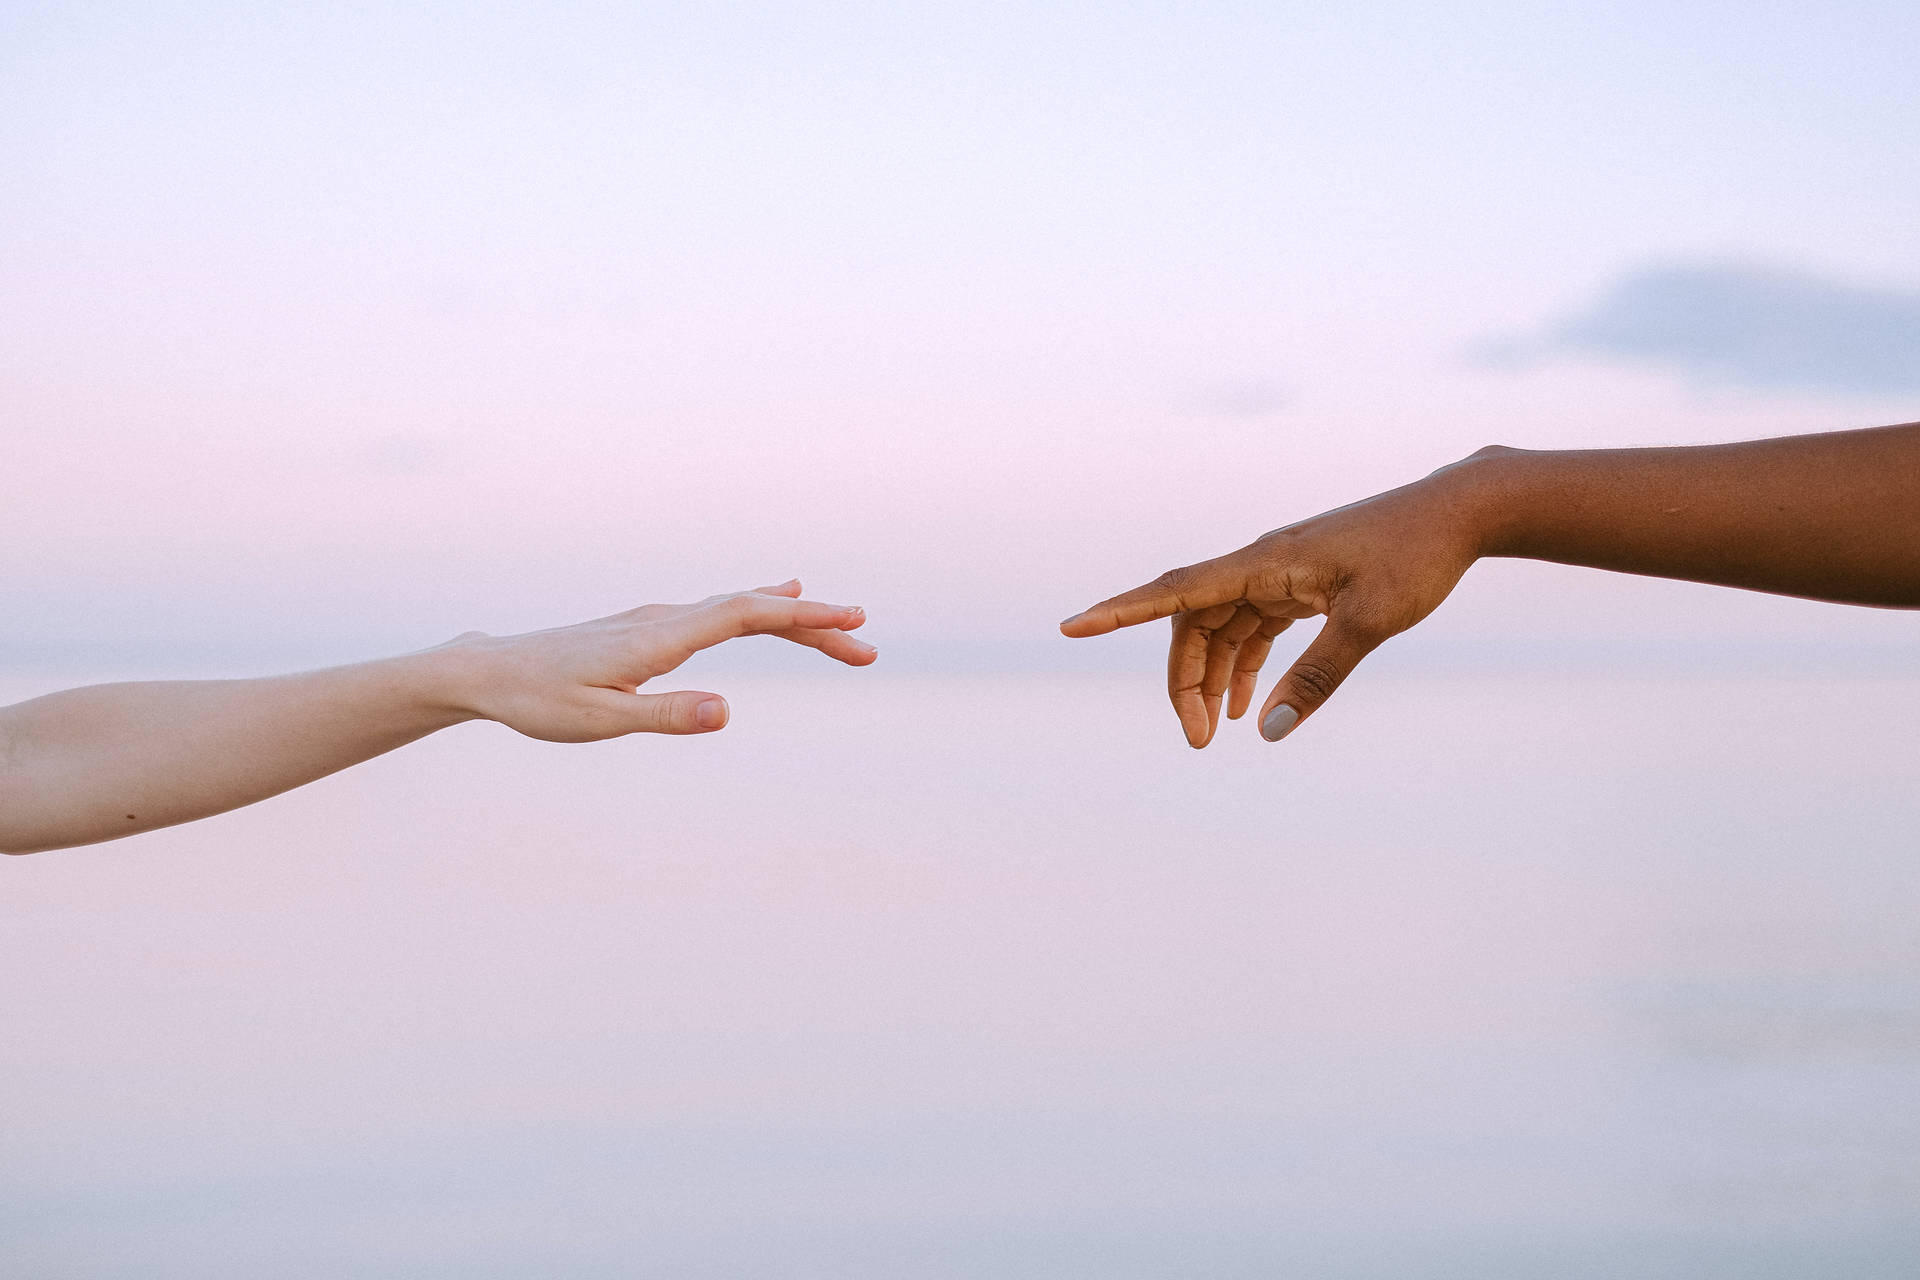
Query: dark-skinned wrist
pixel 1483 496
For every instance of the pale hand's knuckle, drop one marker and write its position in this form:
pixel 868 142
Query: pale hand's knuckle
pixel 596 721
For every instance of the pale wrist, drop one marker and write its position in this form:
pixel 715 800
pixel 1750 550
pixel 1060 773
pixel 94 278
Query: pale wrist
pixel 444 685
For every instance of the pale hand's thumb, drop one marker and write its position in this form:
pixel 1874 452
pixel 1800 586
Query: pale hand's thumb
pixel 684 712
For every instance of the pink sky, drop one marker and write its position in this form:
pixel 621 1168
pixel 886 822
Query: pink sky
pixel 337 335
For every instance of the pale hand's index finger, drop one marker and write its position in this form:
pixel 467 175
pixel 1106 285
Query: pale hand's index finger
pixel 1196 586
pixel 753 614
pixel 791 587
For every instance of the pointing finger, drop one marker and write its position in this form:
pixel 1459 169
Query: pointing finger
pixel 1183 590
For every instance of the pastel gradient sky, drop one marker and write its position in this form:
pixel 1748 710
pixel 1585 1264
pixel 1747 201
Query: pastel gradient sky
pixel 1573 940
pixel 329 330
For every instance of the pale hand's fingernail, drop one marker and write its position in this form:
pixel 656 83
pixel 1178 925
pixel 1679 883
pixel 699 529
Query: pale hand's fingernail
pixel 711 714
pixel 1278 723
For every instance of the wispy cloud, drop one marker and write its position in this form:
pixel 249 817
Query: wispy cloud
pixel 1746 326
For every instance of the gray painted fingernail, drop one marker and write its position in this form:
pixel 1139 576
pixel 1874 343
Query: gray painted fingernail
pixel 1279 722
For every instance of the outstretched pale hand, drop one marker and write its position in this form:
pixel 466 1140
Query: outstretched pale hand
pixel 112 760
pixel 1374 568
pixel 580 683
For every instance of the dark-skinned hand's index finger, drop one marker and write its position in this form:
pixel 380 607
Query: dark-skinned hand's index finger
pixel 1176 591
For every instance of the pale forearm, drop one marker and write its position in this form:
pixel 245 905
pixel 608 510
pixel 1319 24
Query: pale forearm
pixel 112 760
pixel 1829 517
pixel 91 764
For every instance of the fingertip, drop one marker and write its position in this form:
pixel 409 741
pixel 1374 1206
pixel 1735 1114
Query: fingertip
pixel 712 714
pixel 1279 722
pixel 1239 699
pixel 856 616
pixel 860 654
pixel 1195 734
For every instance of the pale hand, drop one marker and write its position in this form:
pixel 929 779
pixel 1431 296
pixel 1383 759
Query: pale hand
pixel 112 760
pixel 580 683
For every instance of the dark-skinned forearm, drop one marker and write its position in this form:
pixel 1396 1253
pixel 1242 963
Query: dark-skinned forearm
pixel 1828 517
